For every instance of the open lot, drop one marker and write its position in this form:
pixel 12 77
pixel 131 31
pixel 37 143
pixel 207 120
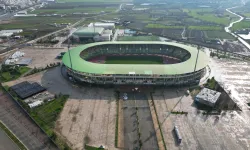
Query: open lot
pixel 41 57
pixel 146 127
pixel 199 131
pixel 89 115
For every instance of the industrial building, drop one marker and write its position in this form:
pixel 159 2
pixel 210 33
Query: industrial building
pixel 103 25
pixel 208 97
pixel 95 33
pixel 8 33
pixel 186 72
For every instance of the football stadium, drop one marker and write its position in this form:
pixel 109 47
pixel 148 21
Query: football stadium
pixel 139 62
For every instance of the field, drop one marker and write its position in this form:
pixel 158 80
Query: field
pixel 74 10
pixel 208 15
pixel 134 60
pixel 91 1
pixel 138 38
pixel 241 25
pixel 217 34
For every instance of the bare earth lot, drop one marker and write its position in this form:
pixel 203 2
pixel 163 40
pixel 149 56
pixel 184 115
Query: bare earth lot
pixel 42 57
pixel 229 131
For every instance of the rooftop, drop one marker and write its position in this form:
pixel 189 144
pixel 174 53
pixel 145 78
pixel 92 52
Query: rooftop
pixel 86 31
pixel 209 95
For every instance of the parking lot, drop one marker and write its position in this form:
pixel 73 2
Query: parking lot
pixel 148 136
pixel 228 131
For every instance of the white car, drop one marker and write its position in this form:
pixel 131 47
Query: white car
pixel 125 97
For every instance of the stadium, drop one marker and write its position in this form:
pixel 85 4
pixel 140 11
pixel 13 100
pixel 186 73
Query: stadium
pixel 139 63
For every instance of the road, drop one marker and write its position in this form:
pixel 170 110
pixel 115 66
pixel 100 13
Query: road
pixel 6 142
pixel 227 29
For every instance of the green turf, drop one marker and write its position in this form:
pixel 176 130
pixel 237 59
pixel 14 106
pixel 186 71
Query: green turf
pixel 134 60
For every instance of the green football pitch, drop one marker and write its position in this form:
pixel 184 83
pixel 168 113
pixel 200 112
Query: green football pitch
pixel 133 60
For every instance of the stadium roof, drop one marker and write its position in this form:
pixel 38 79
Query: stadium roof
pixel 81 65
pixel 88 31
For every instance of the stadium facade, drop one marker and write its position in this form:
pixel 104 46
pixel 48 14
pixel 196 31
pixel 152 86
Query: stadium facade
pixel 185 72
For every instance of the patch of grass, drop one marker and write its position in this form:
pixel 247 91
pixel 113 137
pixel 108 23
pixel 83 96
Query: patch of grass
pixel 161 26
pixel 211 83
pixel 117 95
pixel 138 38
pixel 9 73
pixel 12 136
pixel 46 114
pixel 87 147
pixel 134 60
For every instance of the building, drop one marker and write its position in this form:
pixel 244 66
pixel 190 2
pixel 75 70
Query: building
pixel 103 25
pixel 88 32
pixel 208 97
pixel 181 73
pixel 8 33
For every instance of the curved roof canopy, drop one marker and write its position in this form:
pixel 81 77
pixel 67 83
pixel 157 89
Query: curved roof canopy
pixel 81 65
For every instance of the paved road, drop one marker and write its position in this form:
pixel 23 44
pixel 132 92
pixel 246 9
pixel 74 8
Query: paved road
pixel 227 29
pixel 22 126
pixel 6 143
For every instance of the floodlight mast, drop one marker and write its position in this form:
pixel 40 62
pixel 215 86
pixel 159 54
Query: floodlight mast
pixel 197 57
pixel 69 51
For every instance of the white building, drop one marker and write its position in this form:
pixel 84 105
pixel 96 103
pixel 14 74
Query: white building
pixel 103 25
pixel 8 33
pixel 208 97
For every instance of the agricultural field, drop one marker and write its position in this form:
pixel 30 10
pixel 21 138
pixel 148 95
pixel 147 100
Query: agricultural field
pixel 37 26
pixel 138 38
pixel 91 1
pixel 208 15
pixel 133 60
pixel 160 26
pixel 241 25
pixel 74 10
pixel 217 34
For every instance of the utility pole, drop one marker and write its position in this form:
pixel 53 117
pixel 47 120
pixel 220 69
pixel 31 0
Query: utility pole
pixel 69 51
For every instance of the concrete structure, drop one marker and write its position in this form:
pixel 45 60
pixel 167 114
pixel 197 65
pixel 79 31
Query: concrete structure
pixel 103 25
pixel 182 73
pixel 208 97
